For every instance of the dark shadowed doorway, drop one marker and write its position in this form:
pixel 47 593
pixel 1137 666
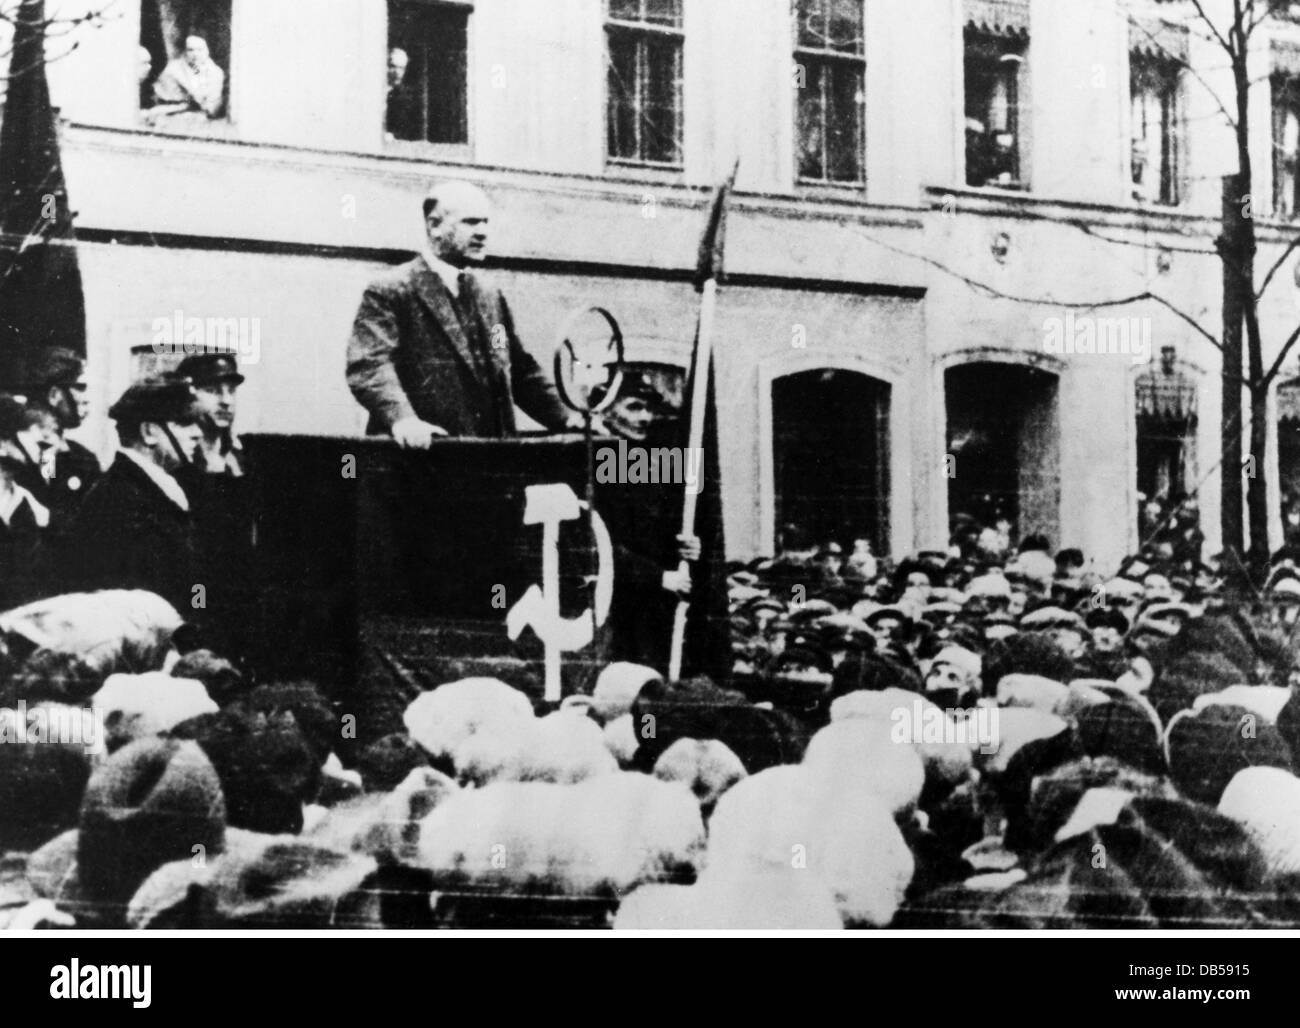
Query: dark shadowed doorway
pixel 1004 446
pixel 830 444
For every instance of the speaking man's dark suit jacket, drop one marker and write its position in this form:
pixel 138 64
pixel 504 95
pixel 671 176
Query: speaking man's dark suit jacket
pixel 127 534
pixel 414 354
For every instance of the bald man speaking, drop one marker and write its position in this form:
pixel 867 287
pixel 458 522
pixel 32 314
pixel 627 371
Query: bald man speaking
pixel 433 349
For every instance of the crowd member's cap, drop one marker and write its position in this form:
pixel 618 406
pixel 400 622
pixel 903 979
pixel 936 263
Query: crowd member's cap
pixel 385 825
pixel 135 706
pixel 268 881
pixel 887 613
pixel 1207 748
pixel 993 586
pixel 1052 617
pixel 1016 728
pixel 156 400
pixel 810 610
pixel 1265 700
pixel 150 803
pixel 805 654
pixel 1107 617
pixel 1286 589
pixel 1123 589
pixel 1266 800
pixel 1036 691
pixel 766 603
pixel 266 767
pixel 1126 729
pixel 959 657
pixel 617 688
pixel 939 611
pixel 210 368
pixel 1165 618
pixel 57 366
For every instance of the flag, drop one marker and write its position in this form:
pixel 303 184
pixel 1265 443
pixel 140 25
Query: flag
pixel 41 300
pixel 710 265
pixel 707 645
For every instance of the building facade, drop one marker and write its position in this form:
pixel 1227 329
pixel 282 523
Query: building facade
pixel 931 195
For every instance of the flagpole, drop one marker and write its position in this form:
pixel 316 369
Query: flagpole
pixel 699 400
pixel 708 271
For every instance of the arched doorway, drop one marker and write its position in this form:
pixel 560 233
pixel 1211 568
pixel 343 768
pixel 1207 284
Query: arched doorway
pixel 1003 446
pixel 830 450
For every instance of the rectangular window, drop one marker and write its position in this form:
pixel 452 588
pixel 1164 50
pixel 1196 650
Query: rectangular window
pixel 1155 88
pixel 830 90
pixel 184 63
pixel 428 77
pixel 1286 145
pixel 644 72
pixel 994 66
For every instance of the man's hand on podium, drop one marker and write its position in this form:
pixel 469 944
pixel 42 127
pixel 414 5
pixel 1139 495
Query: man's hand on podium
pixel 414 434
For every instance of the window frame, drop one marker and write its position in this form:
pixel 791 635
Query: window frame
pixel 425 148
pixel 806 57
pixel 986 44
pixel 1168 77
pixel 1285 99
pixel 641 31
pixel 215 128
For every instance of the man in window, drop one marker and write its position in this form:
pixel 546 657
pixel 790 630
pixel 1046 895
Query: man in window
pixel 190 84
pixel 433 349
pixel 401 120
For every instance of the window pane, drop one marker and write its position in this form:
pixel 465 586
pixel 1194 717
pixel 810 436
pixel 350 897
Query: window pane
pixel 664 12
pixel 623 138
pixel 447 73
pixel 846 26
pixel 660 123
pixel 812 115
pixel 811 18
pixel 844 101
pixel 625 10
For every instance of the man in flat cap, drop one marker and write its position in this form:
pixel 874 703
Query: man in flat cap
pixel 433 349
pixel 216 380
pixel 57 384
pixel 134 530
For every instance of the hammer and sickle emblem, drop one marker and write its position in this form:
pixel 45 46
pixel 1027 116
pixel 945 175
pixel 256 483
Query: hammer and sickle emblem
pixel 549 506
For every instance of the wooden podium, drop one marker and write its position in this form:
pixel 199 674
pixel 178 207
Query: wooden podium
pixel 377 572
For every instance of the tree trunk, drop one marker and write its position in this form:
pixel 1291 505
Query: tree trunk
pixel 1230 507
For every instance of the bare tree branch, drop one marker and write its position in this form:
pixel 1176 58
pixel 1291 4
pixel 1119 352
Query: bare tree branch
pixel 1088 230
pixel 1186 66
pixel 1039 301
pixel 1200 10
pixel 1277 265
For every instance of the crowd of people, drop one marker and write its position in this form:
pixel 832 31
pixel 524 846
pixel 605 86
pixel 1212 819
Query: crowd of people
pixel 987 736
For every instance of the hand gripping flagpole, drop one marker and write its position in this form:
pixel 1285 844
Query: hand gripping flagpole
pixel 708 272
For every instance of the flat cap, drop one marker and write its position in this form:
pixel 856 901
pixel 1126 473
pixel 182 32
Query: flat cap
pixel 156 400
pixel 205 368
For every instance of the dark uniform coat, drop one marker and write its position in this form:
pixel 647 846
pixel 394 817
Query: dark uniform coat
pixel 416 351
pixel 128 534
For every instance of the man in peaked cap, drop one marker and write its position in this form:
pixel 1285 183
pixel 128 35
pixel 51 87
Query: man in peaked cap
pixel 134 529
pixel 216 379
pixel 434 350
pixel 57 383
